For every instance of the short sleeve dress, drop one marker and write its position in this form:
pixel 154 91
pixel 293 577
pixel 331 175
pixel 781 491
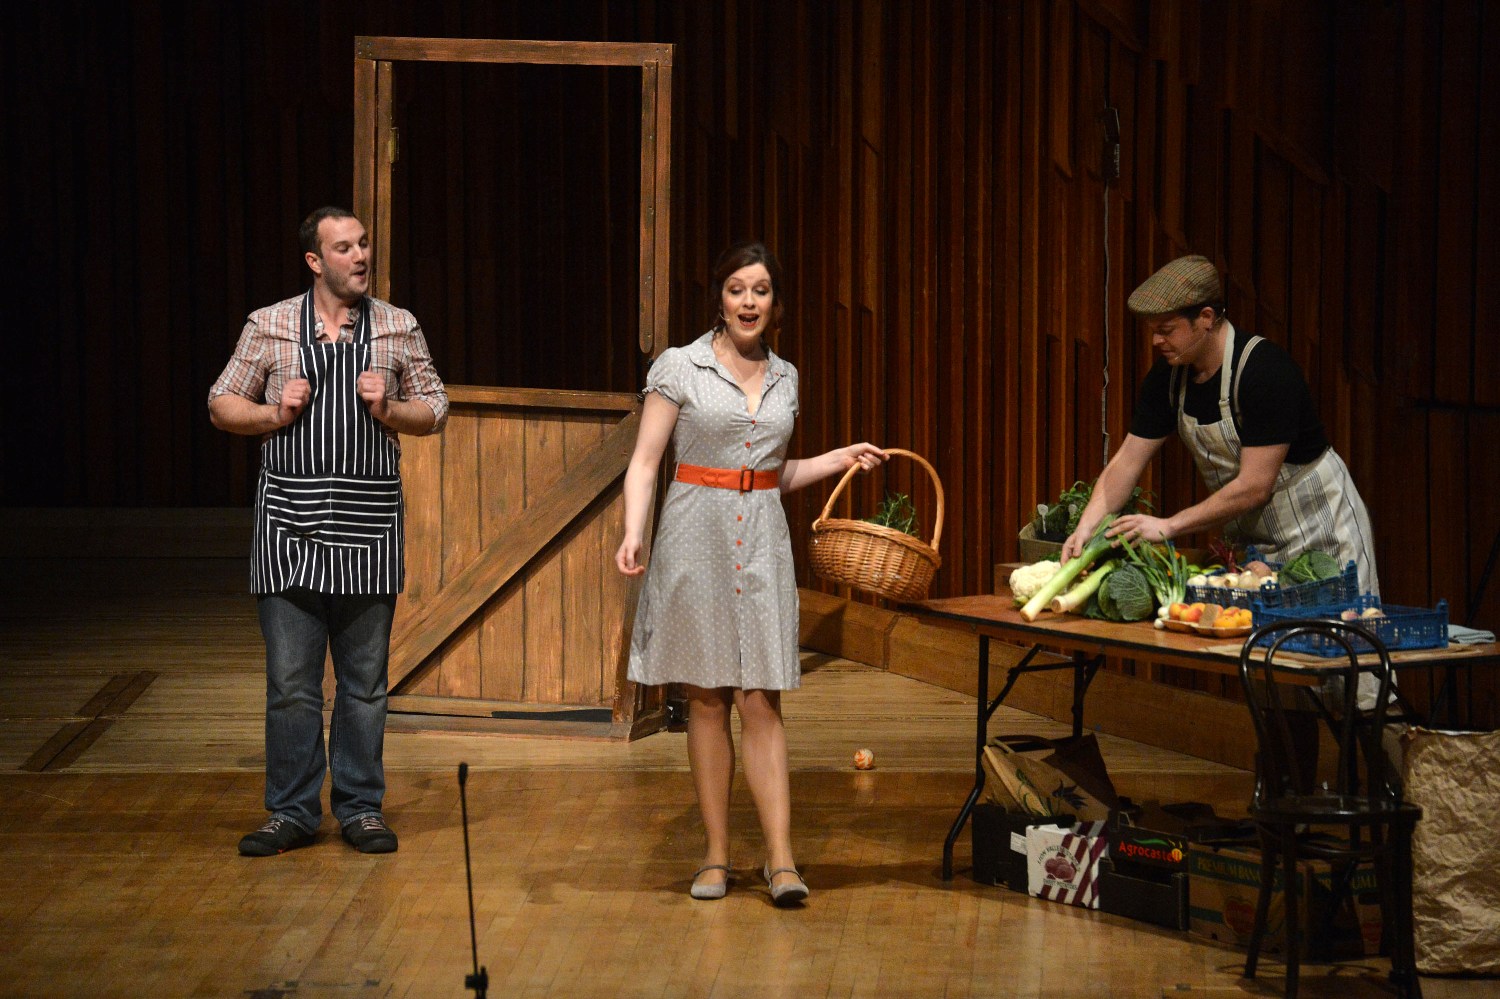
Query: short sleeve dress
pixel 718 606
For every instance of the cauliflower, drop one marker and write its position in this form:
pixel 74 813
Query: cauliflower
pixel 1025 581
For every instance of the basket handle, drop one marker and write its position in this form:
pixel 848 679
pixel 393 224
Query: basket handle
pixel 937 529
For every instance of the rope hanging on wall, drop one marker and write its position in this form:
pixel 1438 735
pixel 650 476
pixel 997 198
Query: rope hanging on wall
pixel 1109 169
pixel 1104 392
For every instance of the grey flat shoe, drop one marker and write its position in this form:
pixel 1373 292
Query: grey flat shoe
pixel 785 895
pixel 709 893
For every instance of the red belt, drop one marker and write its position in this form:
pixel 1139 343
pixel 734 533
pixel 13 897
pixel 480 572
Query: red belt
pixel 743 479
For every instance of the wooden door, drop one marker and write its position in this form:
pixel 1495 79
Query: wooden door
pixel 514 617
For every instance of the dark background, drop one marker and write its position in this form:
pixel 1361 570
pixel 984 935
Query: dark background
pixel 930 171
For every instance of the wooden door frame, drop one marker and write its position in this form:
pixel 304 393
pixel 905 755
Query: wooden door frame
pixel 375 153
pixel 375 142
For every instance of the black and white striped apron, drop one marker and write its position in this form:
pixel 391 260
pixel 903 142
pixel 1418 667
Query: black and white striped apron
pixel 1314 507
pixel 328 508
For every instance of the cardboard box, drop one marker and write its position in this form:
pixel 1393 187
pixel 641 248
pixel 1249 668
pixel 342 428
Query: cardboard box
pixel 1133 848
pixel 1154 837
pixel 1033 548
pixel 1048 777
pixel 1349 923
pixel 1223 884
pixel 1063 865
pixel 1160 897
pixel 999 841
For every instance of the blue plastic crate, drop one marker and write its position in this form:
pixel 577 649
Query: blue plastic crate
pixel 1400 628
pixel 1340 589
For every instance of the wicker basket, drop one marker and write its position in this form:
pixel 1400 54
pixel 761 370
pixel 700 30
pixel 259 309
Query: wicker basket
pixel 879 560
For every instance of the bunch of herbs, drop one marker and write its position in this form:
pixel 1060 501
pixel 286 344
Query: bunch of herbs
pixel 896 511
pixel 1057 521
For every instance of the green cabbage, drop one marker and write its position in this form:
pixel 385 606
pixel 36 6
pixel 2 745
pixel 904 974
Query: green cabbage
pixel 1126 595
pixel 1310 567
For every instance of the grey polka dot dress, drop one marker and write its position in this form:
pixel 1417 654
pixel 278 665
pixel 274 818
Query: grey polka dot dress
pixel 718 607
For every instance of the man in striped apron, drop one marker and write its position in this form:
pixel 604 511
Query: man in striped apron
pixel 1245 412
pixel 328 379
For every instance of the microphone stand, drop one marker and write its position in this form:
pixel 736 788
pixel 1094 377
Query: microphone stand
pixel 479 981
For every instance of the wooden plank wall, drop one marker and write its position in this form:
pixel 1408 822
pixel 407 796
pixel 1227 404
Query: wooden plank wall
pixel 930 172
pixel 938 199
pixel 928 169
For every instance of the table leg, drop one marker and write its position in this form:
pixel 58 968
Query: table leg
pixel 981 721
pixel 1450 695
pixel 1469 699
pixel 1442 698
pixel 981 734
pixel 1083 675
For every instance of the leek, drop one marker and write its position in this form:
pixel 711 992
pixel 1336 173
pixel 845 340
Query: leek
pixel 1097 546
pixel 1079 595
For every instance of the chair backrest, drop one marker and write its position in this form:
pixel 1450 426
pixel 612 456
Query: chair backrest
pixel 1279 705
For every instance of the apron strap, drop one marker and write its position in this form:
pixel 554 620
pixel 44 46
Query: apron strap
pixel 1177 381
pixel 1239 370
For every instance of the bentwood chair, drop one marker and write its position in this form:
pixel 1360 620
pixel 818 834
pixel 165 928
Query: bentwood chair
pixel 1294 812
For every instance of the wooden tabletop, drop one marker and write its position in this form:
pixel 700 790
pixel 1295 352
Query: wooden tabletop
pixel 997 616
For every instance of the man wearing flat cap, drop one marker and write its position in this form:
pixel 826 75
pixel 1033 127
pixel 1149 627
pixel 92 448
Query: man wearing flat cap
pixel 1242 407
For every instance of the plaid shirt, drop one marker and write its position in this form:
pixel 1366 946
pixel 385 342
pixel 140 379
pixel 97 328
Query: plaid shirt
pixel 268 356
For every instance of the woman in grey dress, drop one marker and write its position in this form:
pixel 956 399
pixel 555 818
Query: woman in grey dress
pixel 718 607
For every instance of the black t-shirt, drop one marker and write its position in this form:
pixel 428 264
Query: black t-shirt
pixel 1275 405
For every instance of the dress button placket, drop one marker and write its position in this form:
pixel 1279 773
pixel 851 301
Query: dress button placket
pixel 740 518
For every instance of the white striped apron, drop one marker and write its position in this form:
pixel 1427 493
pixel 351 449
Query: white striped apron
pixel 1314 507
pixel 328 511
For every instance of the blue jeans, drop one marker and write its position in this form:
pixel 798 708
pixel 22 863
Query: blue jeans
pixel 300 626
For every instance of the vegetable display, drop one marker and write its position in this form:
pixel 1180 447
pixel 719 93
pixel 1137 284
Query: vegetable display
pixel 1078 596
pixel 1164 568
pixel 1057 521
pixel 1209 616
pixel 1256 575
pixel 1310 567
pixel 1144 583
pixel 1025 581
pixel 1126 595
pixel 1098 545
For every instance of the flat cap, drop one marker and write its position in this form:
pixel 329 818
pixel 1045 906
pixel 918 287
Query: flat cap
pixel 1184 283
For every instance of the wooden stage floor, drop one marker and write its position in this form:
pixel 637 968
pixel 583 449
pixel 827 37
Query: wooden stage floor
pixel 122 876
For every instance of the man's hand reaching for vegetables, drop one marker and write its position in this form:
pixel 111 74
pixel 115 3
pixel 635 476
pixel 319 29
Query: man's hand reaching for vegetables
pixel 1077 541
pixel 1139 527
